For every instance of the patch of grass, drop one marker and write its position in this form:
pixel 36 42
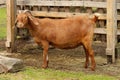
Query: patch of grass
pixel 2 23
pixel 2 14
pixel 2 32
pixel 49 74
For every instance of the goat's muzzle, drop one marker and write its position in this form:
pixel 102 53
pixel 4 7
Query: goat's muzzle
pixel 19 25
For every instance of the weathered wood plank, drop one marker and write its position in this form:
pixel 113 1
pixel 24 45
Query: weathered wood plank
pixel 51 3
pixel 64 3
pixel 2 2
pixel 103 31
pixel 65 14
pixel 8 42
pixel 10 23
pixel 95 4
pixel 111 30
pixel 100 31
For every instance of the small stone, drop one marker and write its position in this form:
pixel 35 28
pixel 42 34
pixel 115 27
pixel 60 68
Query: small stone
pixel 10 64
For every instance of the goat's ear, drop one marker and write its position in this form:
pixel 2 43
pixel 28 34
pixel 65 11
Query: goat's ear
pixel 27 12
pixel 16 21
pixel 15 24
pixel 33 20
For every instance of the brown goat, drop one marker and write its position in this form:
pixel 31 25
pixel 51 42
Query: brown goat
pixel 61 33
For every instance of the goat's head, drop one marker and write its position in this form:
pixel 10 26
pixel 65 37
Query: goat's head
pixel 22 19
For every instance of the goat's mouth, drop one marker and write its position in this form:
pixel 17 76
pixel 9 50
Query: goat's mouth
pixel 20 25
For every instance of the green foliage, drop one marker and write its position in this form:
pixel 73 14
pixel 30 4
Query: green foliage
pixel 48 74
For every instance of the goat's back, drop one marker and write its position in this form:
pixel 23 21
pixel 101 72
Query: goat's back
pixel 65 33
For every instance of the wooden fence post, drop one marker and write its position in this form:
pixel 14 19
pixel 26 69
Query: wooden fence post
pixel 11 11
pixel 111 30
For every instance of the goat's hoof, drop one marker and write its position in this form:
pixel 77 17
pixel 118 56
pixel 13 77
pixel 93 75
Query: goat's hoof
pixel 44 66
pixel 86 66
pixel 92 68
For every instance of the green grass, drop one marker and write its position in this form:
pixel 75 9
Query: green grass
pixel 49 74
pixel 2 14
pixel 2 23
pixel 2 32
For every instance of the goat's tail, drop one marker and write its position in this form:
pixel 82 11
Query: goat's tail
pixel 96 15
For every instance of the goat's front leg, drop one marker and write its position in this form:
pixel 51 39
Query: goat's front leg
pixel 45 45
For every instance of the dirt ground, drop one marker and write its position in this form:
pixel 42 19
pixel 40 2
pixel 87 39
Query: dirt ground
pixel 69 60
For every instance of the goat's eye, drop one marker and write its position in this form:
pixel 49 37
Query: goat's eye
pixel 25 17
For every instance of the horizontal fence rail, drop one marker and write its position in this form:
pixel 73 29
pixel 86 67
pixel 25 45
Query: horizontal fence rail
pixel 66 14
pixel 65 3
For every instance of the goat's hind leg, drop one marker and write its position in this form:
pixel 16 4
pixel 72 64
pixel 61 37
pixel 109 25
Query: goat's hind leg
pixel 89 53
pixel 87 58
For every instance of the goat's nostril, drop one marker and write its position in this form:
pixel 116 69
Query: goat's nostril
pixel 19 25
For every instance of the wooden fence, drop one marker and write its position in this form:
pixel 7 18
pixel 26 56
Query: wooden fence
pixel 2 2
pixel 67 8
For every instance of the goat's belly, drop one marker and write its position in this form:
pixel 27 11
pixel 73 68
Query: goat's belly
pixel 67 45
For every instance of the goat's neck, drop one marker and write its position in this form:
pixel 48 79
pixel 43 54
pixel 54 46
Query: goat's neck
pixel 33 28
pixel 32 25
